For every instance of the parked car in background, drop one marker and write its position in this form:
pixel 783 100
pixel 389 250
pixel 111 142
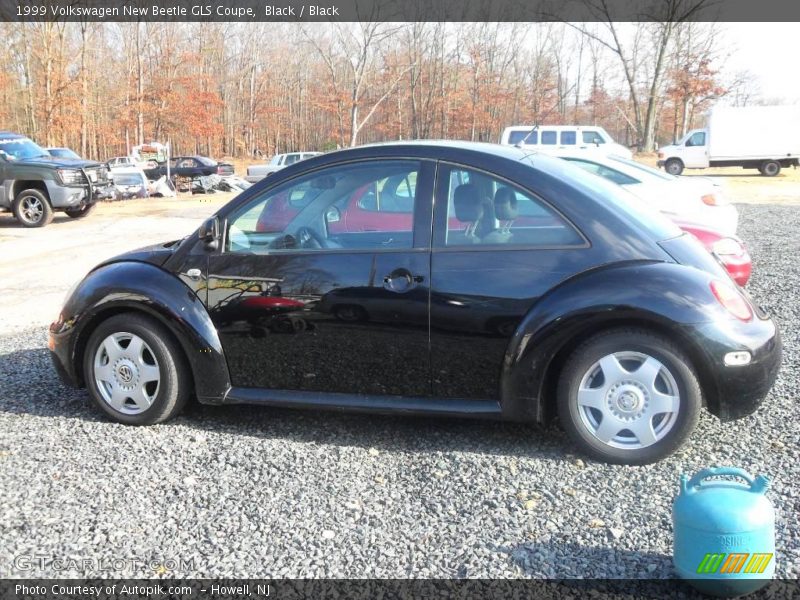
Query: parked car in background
pixel 129 182
pixel 751 137
pixel 190 166
pixel 561 138
pixel 63 153
pixel 689 199
pixel 594 308
pixel 34 184
pixel 256 173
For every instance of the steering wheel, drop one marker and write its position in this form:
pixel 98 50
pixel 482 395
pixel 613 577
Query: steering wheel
pixel 309 238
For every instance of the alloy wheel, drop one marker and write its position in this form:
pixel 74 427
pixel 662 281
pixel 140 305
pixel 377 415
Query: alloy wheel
pixel 628 400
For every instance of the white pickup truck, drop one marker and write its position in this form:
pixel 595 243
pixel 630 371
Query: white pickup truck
pixel 766 138
pixel 279 161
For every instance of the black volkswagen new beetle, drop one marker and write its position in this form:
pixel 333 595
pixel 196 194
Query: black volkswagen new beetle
pixel 438 278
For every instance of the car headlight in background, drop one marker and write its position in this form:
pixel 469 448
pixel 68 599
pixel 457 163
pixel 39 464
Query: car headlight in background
pixel 70 176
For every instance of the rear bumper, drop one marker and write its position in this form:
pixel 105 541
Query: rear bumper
pixel 735 392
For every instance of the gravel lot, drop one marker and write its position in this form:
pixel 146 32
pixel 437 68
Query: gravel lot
pixel 243 491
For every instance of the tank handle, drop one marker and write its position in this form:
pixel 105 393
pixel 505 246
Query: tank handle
pixel 757 484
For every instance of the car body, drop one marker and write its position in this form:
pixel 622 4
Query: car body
pixel 129 182
pixel 552 139
pixel 256 173
pixel 34 184
pixel 189 166
pixel 63 153
pixel 688 199
pixel 594 307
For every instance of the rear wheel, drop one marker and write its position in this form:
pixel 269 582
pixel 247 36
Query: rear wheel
pixel 32 208
pixel 673 166
pixel 80 213
pixel 770 168
pixel 134 370
pixel 628 397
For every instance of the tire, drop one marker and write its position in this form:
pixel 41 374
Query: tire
pixel 32 208
pixel 637 433
pixel 770 168
pixel 142 386
pixel 674 166
pixel 80 213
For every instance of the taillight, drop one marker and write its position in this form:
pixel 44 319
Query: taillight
pixel 714 199
pixel 732 300
pixel 727 247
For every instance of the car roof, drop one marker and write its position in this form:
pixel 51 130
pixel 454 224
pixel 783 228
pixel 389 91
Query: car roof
pixel 10 135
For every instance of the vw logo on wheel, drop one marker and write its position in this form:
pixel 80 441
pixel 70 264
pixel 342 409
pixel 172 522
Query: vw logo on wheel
pixel 125 374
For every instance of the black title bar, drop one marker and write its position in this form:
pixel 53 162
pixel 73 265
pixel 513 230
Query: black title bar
pixel 399 10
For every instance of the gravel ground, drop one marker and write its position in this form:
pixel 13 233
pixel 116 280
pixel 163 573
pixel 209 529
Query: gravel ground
pixel 244 491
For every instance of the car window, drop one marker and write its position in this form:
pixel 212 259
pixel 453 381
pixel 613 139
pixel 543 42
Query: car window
pixel 698 139
pixel 367 205
pixel 291 159
pixel 592 137
pixel 486 211
pixel 603 171
pixel 186 163
pixel 528 137
pixel 568 138
pixel 549 138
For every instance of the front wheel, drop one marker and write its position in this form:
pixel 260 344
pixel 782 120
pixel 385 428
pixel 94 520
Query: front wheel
pixel 628 397
pixel 134 370
pixel 32 208
pixel 673 166
pixel 80 213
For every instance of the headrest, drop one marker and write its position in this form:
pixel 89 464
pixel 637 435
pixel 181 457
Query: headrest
pixel 505 204
pixel 467 202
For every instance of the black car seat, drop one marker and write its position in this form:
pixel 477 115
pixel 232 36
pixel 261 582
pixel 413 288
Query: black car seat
pixel 469 209
pixel 506 211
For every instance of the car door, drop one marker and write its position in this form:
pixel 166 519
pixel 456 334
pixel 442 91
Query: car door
pixel 496 249
pixel 695 151
pixel 301 304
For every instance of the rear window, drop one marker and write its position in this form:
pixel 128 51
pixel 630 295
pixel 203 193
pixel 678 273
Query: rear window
pixel 616 198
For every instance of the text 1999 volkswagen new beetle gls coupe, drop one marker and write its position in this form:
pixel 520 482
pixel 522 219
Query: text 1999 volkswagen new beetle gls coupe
pixel 431 278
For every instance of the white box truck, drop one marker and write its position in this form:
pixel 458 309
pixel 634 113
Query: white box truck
pixel 766 138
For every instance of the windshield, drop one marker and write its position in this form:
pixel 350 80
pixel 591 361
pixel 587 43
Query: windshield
pixel 63 153
pixel 128 180
pixel 654 173
pixel 21 149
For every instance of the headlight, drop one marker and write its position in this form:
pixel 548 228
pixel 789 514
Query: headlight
pixel 70 176
pixel 727 247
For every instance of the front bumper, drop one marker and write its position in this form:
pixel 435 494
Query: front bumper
pixel 733 392
pixel 67 196
pixel 59 343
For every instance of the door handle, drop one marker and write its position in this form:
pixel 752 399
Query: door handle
pixel 401 280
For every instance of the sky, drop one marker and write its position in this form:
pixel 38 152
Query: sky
pixel 770 52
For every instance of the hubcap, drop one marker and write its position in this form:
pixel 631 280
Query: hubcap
pixel 32 209
pixel 126 373
pixel 628 400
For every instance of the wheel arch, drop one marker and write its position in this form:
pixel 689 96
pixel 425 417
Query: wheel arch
pixel 143 288
pixel 21 185
pixel 576 310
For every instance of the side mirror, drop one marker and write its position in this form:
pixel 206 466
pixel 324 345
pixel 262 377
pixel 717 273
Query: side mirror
pixel 332 215
pixel 209 233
